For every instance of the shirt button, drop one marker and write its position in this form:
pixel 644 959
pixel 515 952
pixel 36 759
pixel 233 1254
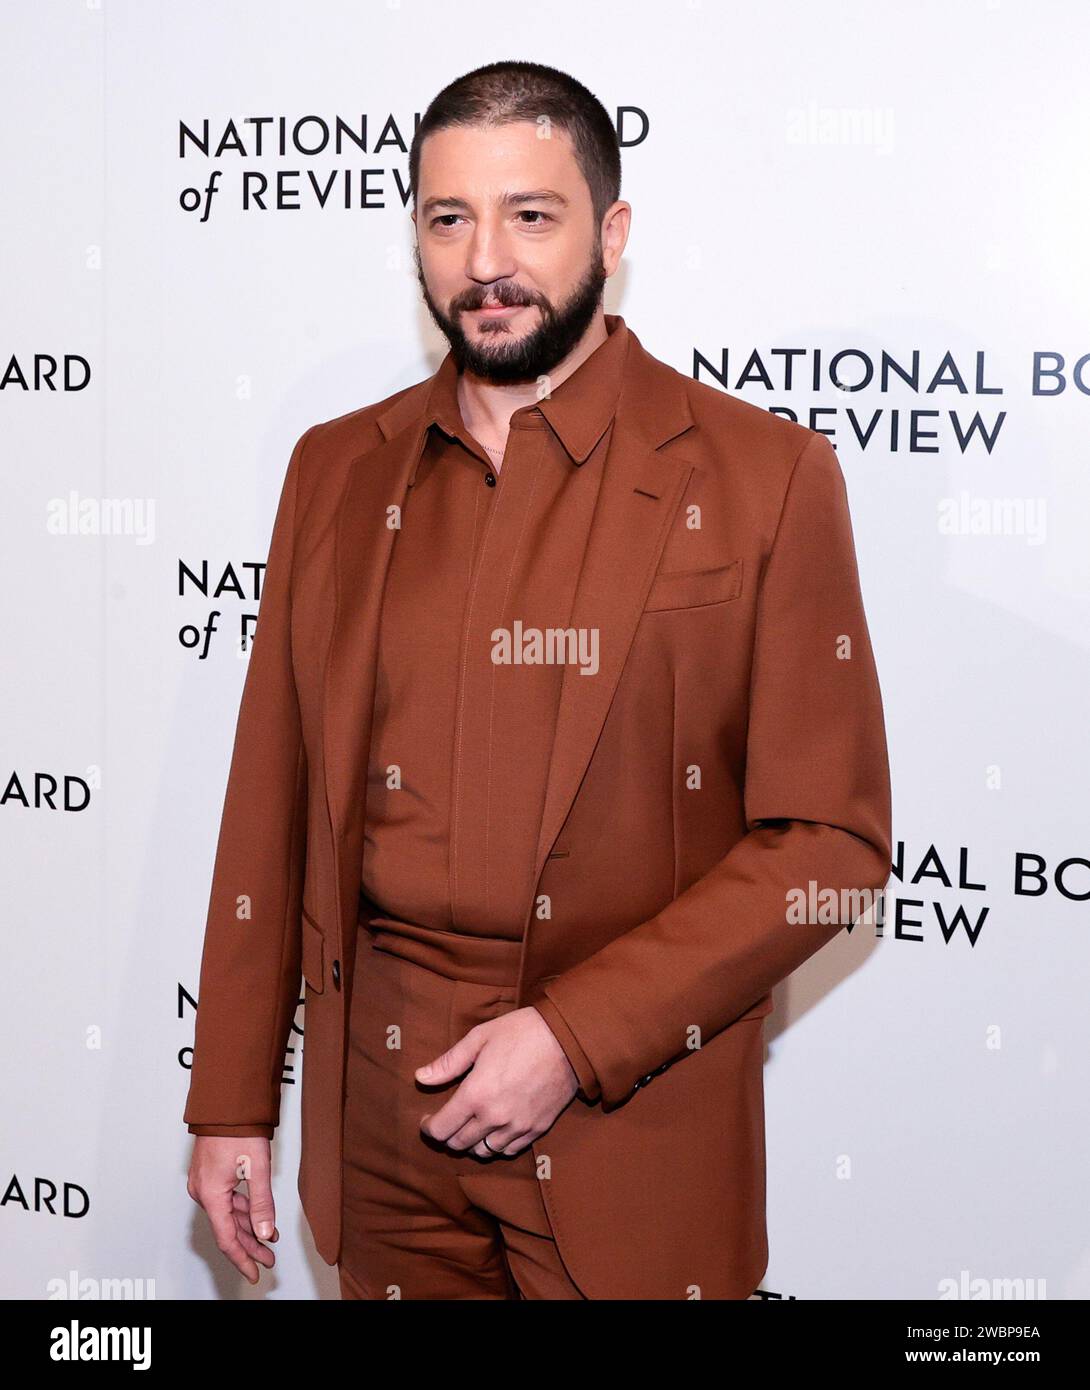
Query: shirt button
pixel 490 479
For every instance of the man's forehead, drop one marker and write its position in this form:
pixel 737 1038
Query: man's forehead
pixel 514 149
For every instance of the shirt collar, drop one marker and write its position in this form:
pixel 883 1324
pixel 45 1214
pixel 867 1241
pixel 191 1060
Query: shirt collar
pixel 579 410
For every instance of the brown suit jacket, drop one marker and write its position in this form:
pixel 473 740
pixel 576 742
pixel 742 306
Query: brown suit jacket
pixel 730 749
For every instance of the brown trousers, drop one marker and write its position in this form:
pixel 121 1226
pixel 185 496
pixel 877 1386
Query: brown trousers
pixel 422 1221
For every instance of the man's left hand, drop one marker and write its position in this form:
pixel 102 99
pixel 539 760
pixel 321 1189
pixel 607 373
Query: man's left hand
pixel 520 1081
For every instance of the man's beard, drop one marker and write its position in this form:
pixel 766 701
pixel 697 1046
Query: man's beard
pixel 498 355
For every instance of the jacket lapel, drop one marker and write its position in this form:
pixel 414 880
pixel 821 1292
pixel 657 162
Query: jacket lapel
pixel 377 481
pixel 640 492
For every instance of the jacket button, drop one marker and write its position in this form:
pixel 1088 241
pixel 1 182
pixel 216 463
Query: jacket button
pixel 337 973
pixel 490 479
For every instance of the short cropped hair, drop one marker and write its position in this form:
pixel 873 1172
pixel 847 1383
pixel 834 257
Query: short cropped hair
pixel 502 93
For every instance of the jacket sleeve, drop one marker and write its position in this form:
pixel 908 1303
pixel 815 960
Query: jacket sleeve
pixel 817 808
pixel 234 1131
pixel 580 1063
pixel 251 967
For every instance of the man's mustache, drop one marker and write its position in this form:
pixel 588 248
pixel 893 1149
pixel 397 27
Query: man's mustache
pixel 497 299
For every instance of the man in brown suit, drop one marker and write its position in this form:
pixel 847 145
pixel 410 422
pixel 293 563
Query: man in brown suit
pixel 562 692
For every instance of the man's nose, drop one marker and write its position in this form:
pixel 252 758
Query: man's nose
pixel 488 256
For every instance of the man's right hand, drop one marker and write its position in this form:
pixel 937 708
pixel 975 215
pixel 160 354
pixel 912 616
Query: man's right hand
pixel 238 1219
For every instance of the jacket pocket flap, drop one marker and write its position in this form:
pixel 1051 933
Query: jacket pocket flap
pixel 695 588
pixel 313 954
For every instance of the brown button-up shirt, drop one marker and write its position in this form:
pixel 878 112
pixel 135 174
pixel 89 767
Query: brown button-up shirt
pixel 448 848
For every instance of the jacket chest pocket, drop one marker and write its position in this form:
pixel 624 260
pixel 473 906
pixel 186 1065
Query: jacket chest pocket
pixel 694 588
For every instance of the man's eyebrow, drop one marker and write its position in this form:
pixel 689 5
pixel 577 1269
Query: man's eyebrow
pixel 540 195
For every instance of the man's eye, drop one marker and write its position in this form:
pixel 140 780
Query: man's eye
pixel 448 219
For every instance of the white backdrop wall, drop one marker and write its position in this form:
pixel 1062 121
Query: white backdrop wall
pixel 882 178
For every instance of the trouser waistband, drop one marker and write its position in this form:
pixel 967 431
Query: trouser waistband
pixel 482 960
